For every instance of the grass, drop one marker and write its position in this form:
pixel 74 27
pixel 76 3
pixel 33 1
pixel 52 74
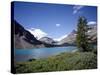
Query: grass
pixel 61 62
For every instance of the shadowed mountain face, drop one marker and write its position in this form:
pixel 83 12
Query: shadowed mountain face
pixel 23 38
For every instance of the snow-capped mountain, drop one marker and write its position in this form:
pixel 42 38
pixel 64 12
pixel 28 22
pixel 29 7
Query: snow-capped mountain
pixel 23 38
pixel 38 33
pixel 33 37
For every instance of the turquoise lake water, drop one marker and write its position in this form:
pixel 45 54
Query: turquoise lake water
pixel 37 53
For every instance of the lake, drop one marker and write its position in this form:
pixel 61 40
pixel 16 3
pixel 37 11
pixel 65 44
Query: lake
pixel 37 53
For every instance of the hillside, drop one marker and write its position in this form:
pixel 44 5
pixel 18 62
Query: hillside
pixel 23 38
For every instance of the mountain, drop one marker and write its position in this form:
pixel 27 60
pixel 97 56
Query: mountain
pixel 60 38
pixel 23 38
pixel 47 40
pixel 38 33
pixel 71 38
pixel 92 33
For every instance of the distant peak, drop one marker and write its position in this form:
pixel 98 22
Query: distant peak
pixel 73 31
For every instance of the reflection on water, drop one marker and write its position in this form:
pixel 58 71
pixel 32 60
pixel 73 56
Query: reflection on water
pixel 26 54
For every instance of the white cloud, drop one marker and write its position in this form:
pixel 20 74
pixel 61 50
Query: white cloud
pixel 38 33
pixel 58 25
pixel 92 23
pixel 62 37
pixel 77 8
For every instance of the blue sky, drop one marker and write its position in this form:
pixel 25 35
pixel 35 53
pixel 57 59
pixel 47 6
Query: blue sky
pixel 55 20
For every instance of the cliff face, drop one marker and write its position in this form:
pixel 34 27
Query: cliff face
pixel 23 38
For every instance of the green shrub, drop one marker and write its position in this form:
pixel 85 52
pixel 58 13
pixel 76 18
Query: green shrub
pixel 61 62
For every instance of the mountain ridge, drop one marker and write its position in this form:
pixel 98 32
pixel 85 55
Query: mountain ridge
pixel 25 39
pixel 71 38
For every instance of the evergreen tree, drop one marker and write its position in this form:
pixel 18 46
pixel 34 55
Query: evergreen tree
pixel 82 38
